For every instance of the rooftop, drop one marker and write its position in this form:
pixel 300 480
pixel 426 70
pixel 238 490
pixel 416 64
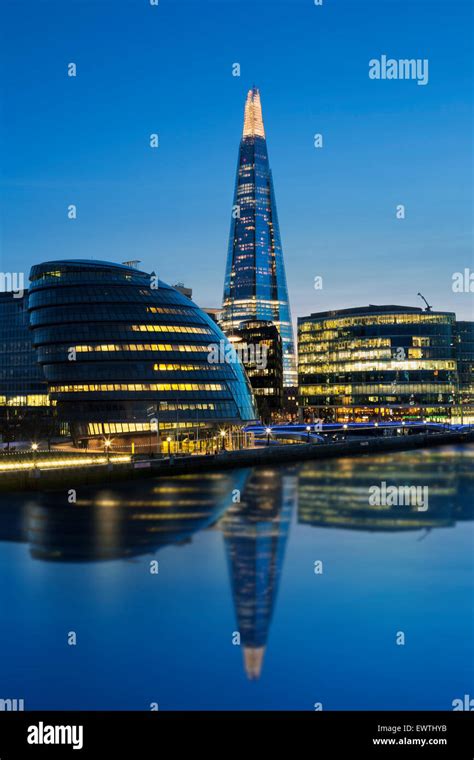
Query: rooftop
pixel 370 309
pixel 253 119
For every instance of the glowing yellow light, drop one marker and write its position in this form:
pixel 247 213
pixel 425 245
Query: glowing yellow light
pixel 52 463
pixel 253 120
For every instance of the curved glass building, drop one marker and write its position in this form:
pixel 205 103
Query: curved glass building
pixel 124 354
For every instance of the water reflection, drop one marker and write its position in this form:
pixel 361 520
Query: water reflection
pixel 255 534
pixel 130 520
pixel 124 522
pixel 337 496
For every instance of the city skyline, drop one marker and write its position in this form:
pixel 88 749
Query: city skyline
pixel 385 143
pixel 237 368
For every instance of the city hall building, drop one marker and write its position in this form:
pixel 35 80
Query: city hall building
pixel 124 354
pixel 382 362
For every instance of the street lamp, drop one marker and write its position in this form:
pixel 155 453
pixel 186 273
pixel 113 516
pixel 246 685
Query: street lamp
pixel 169 443
pixel 158 439
pixel 308 430
pixel 107 445
pixel 34 448
pixel 223 439
pixel 155 410
pixel 268 432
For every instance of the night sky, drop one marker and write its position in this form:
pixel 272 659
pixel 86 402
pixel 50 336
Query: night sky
pixel 168 70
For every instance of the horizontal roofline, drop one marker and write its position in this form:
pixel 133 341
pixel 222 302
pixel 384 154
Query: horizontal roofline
pixel 89 263
pixel 371 309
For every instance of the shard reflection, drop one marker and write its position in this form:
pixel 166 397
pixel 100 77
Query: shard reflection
pixel 255 534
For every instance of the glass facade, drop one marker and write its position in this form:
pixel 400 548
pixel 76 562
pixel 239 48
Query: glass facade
pixel 22 382
pixel 465 356
pixel 118 349
pixel 261 352
pixel 255 281
pixel 378 361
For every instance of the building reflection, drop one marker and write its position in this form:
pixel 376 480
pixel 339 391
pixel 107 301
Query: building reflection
pixel 130 520
pixel 139 518
pixel 336 493
pixel 255 534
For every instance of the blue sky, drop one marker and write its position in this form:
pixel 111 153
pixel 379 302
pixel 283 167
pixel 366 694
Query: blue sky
pixel 168 69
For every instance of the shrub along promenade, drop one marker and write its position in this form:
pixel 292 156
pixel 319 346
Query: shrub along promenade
pixel 54 471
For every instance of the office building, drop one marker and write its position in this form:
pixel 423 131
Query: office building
pixel 255 281
pixel 260 349
pixel 465 356
pixel 22 383
pixel 378 362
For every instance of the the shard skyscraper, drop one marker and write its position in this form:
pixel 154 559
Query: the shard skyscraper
pixel 255 280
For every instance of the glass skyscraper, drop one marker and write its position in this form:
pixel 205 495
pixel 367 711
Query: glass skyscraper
pixel 255 280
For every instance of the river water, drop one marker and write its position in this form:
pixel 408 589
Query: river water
pixel 265 588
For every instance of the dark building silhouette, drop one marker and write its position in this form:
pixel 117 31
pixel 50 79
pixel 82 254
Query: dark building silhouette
pixel 465 357
pixel 22 382
pixel 260 349
pixel 26 412
pixel 181 288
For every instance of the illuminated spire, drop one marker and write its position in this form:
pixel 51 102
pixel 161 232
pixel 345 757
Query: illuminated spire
pixel 253 120
pixel 253 660
pixel 254 254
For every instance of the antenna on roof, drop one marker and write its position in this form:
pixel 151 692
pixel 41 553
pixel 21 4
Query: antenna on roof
pixel 133 263
pixel 428 307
